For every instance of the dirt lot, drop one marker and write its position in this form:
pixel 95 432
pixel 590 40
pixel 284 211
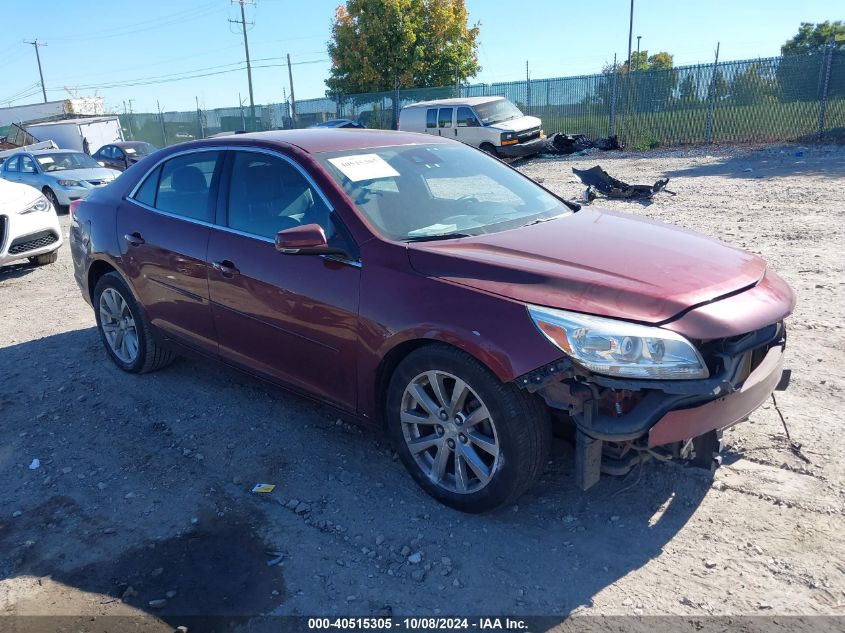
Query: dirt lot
pixel 144 482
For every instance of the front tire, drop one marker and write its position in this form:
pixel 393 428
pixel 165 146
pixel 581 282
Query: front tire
pixel 46 258
pixel 51 197
pixel 468 440
pixel 489 148
pixel 124 329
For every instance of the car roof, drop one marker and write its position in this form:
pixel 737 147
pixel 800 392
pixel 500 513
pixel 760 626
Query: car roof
pixel 468 101
pixel 317 140
pixel 127 143
pixel 38 152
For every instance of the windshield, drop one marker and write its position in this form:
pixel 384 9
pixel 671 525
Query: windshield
pixel 65 160
pixel 423 192
pixel 139 149
pixel 497 111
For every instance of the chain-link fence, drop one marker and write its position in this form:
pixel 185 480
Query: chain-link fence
pixel 799 97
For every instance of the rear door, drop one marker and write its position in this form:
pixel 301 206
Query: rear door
pixel 163 229
pixel 292 318
pixel 11 169
pixel 445 124
pixel 29 172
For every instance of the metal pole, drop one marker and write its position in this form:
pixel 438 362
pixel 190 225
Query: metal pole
pixel 36 44
pixel 161 123
pixel 825 84
pixel 613 99
pixel 241 106
pixel 248 67
pixel 131 116
pixel 199 118
pixel 630 33
pixel 292 96
pixel 639 37
pixel 711 101
pixel 527 89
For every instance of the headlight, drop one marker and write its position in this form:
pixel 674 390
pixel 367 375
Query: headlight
pixel 508 136
pixel 619 348
pixel 69 183
pixel 42 204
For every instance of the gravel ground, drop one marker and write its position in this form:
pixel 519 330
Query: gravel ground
pixel 142 500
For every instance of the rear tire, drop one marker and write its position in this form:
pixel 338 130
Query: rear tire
pixel 46 258
pixel 118 313
pixel 494 437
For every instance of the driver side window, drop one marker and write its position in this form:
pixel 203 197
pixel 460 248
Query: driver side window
pixel 268 195
pixel 27 165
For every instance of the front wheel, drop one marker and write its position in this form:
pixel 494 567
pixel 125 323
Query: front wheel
pixel 468 440
pixel 124 329
pixel 46 258
pixel 490 149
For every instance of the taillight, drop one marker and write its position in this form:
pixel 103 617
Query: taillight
pixel 73 207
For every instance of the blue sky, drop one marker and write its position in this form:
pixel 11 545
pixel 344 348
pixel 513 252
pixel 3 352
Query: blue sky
pixel 93 44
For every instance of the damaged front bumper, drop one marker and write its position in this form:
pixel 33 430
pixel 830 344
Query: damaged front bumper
pixel 646 414
pixel 518 150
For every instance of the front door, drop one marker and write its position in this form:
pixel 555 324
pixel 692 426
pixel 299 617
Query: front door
pixel 292 318
pixel 467 128
pixel 163 231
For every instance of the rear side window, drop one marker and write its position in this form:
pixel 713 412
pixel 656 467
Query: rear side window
pixel 184 186
pixel 445 118
pixel 431 118
pixel 147 193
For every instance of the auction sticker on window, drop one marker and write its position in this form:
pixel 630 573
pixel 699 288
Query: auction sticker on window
pixel 364 167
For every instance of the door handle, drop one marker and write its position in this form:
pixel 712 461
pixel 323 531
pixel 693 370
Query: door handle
pixel 134 239
pixel 225 268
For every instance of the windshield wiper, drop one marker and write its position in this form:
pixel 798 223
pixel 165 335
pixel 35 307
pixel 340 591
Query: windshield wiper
pixel 432 238
pixel 541 220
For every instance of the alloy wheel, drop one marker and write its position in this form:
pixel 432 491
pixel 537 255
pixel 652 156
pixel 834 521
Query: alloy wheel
pixel 449 432
pixel 118 325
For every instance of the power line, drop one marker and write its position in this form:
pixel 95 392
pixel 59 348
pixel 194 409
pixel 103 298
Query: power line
pixel 36 44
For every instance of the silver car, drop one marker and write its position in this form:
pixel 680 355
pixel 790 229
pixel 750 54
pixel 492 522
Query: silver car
pixel 61 175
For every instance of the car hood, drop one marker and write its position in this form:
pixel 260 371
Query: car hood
pixel 517 125
pixel 15 197
pixel 595 261
pixel 89 173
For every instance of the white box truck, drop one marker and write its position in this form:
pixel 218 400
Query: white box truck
pixel 73 133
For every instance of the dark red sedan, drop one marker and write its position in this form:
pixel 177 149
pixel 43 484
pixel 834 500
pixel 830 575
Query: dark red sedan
pixel 418 284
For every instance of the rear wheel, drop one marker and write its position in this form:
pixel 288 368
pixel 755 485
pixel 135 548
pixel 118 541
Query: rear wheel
pixel 46 258
pixel 124 329
pixel 468 440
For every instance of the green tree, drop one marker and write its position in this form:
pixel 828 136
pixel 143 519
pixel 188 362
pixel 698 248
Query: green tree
pixel 812 38
pixel 800 71
pixel 751 86
pixel 688 91
pixel 381 45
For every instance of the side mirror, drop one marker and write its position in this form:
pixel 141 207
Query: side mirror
pixel 101 163
pixel 308 239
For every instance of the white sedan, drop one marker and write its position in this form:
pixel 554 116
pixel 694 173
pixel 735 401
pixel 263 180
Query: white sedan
pixel 29 226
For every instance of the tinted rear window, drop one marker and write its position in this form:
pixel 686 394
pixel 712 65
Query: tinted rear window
pixel 431 118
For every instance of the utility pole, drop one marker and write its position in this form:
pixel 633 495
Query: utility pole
pixel 527 89
pixel 711 100
pixel 292 96
pixel 128 122
pixel 161 123
pixel 243 24
pixel 36 44
pixel 199 118
pixel 639 37
pixel 241 106
pixel 630 33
